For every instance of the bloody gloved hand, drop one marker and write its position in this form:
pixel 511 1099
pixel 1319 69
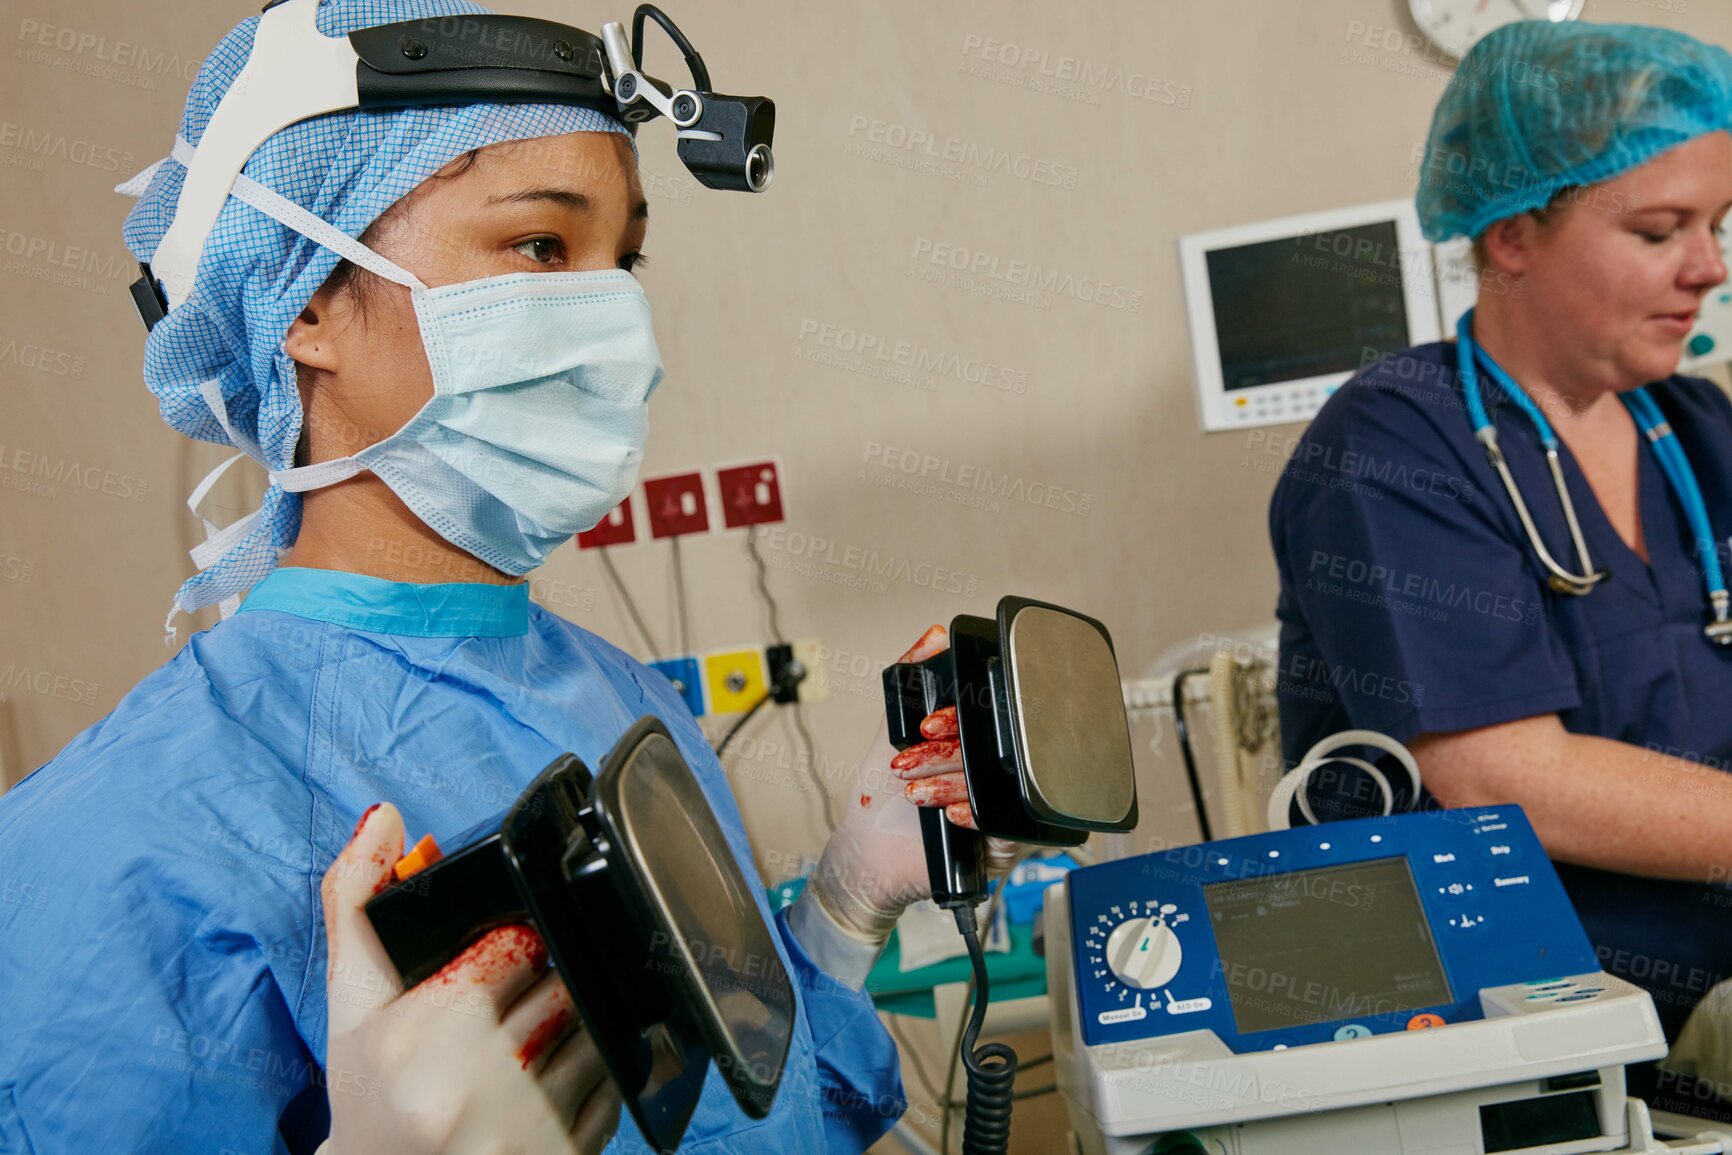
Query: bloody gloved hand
pixel 874 865
pixel 932 768
pixel 488 1054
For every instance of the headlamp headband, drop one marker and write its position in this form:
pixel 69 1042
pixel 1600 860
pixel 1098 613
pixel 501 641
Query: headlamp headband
pixel 295 72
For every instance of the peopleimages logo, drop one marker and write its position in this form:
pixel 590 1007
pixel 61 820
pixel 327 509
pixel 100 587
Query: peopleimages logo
pixel 36 143
pixel 913 356
pixel 1074 70
pixel 1297 454
pixel 1314 678
pixel 866 562
pixel 48 684
pixel 977 265
pixel 63 256
pixel 121 52
pixel 1415 593
pixel 35 473
pixel 954 150
pixel 927 468
pixel 28 355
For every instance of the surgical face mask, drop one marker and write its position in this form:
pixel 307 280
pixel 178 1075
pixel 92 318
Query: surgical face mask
pixel 539 413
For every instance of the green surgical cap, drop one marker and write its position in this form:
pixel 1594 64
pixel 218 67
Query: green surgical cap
pixel 1538 107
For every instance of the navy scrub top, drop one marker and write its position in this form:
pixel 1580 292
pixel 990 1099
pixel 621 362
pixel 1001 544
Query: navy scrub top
pixel 1412 603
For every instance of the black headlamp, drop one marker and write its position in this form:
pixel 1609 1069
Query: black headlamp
pixel 723 140
pixel 474 58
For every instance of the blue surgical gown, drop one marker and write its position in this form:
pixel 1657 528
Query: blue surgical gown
pixel 162 950
pixel 1412 603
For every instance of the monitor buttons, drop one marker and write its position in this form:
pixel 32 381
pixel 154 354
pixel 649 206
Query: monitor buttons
pixel 1424 1022
pixel 1352 1031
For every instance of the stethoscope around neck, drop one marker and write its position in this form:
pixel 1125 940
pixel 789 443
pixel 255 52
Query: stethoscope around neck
pixel 1660 435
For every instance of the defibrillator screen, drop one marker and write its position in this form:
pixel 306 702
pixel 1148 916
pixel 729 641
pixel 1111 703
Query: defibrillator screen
pixel 1339 943
pixel 1309 305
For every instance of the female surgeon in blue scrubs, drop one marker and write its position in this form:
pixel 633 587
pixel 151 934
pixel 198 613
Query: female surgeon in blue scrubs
pixel 195 973
pixel 1592 166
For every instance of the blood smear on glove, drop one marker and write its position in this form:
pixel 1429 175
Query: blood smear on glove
pixel 924 641
pixel 363 820
pixel 496 954
pixel 545 1032
pixel 926 753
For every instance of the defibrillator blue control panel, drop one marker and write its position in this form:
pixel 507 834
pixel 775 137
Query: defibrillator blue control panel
pixel 1325 933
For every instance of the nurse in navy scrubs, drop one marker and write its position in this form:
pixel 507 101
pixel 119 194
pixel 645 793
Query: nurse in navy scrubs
pixel 1578 674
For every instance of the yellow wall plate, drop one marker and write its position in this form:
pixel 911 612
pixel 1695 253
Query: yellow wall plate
pixel 735 679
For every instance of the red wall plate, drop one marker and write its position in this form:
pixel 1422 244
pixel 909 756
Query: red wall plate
pixel 750 494
pixel 676 505
pixel 616 528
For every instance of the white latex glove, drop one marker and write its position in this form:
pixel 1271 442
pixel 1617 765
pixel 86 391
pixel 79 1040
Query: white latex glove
pixel 487 1055
pixel 874 865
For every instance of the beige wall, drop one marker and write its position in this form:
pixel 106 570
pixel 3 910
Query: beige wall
pixel 1263 108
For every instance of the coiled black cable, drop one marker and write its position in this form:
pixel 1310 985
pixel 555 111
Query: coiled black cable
pixel 991 1068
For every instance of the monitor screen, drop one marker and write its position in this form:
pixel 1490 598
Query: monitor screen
pixel 1325 945
pixel 1308 305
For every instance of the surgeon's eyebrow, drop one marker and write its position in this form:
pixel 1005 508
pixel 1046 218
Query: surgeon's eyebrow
pixel 565 198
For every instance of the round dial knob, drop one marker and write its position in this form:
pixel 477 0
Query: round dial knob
pixel 1144 953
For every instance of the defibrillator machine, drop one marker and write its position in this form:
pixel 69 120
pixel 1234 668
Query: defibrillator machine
pixel 1414 983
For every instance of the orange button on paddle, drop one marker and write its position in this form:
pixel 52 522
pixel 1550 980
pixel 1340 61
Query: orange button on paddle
pixel 425 854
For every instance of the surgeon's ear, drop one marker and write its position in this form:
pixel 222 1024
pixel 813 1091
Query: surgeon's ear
pixel 312 339
pixel 1509 244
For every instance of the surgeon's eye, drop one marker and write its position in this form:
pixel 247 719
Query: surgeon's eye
pixel 1658 232
pixel 632 262
pixel 541 250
